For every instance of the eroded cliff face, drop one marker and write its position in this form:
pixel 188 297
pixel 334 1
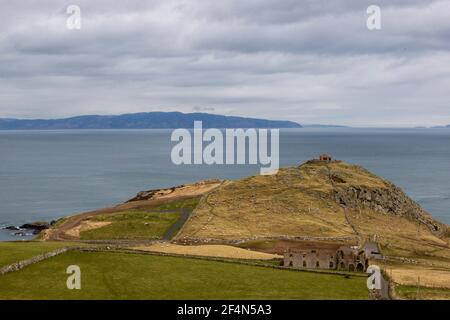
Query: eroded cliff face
pixel 390 200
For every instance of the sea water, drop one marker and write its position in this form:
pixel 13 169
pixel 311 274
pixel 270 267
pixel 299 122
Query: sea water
pixel 45 175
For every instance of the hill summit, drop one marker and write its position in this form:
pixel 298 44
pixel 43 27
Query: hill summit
pixel 318 200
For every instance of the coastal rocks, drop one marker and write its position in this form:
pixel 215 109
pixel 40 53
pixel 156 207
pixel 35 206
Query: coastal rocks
pixel 11 228
pixel 24 234
pixel 20 232
pixel 39 225
pixel 28 229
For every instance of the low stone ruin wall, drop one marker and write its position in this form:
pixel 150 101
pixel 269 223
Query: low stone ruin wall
pixel 192 240
pixel 22 264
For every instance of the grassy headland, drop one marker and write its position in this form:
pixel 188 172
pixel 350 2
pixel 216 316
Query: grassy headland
pixel 317 204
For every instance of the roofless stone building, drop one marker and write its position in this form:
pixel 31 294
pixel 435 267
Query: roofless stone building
pixel 345 258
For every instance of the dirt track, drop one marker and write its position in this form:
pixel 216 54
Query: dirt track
pixel 59 233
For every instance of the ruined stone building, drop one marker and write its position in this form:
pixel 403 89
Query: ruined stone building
pixel 344 258
pixel 351 259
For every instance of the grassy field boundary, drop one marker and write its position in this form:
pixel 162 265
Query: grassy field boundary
pixel 123 276
pixel 225 260
pixel 410 292
pixel 16 266
pixel 119 249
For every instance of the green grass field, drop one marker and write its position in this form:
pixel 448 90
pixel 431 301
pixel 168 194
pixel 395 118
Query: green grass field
pixel 189 204
pixel 139 224
pixel 132 225
pixel 109 275
pixel 11 252
pixel 422 293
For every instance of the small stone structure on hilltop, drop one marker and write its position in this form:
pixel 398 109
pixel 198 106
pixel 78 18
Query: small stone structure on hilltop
pixel 325 157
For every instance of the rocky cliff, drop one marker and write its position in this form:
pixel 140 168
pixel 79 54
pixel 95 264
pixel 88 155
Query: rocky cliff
pixel 388 199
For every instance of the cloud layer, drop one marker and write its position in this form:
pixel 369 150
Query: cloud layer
pixel 311 61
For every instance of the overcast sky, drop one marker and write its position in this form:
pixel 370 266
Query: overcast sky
pixel 309 61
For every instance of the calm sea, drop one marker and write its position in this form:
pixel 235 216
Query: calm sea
pixel 45 175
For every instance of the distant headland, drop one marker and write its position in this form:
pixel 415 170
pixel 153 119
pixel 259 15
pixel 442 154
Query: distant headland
pixel 145 120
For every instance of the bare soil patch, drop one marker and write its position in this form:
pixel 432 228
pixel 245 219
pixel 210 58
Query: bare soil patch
pixel 218 251
pixel 85 226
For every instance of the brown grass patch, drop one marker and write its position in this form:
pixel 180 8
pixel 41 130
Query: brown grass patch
pixel 218 251
pixel 426 277
pixel 295 202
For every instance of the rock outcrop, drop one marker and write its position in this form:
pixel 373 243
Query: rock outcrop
pixel 389 200
pixel 12 228
pixel 39 225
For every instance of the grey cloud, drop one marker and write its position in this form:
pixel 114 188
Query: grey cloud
pixel 308 61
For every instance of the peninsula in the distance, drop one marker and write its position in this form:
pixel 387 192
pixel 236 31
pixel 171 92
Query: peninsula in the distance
pixel 145 120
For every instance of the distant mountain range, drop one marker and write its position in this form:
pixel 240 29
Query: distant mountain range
pixel 147 120
pixel 323 126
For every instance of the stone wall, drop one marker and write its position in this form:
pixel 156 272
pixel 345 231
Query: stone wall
pixel 193 240
pixel 22 264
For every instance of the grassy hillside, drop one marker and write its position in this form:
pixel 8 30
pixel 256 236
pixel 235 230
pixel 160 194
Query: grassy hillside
pixel 295 202
pixel 316 199
pixel 133 276
pixel 160 220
